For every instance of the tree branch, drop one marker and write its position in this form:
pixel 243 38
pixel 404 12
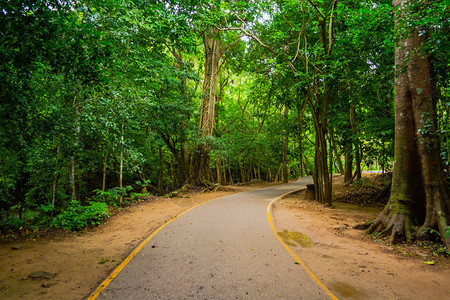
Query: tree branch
pixel 316 8
pixel 331 28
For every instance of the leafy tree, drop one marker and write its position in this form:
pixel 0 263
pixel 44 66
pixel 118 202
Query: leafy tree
pixel 418 188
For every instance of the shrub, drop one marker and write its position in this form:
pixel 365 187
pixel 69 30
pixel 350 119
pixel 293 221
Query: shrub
pixel 10 223
pixel 112 195
pixel 76 217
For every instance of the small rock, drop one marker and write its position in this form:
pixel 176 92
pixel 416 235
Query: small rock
pixel 41 275
pixel 423 255
pixel 45 285
pixel 17 247
pixel 340 227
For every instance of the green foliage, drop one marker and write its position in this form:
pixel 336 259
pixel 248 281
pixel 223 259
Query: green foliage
pixel 76 217
pixel 434 234
pixel 46 208
pixel 447 232
pixel 111 196
pixel 11 223
pixel 102 260
pixel 137 196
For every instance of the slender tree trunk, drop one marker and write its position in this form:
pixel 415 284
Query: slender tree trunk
pixel 224 172
pixel 184 166
pixel 250 170
pixel 218 171
pixel 322 185
pixel 105 165
pixel 121 168
pixel 241 168
pixel 300 149
pixel 305 167
pixel 357 146
pixel 174 182
pixel 348 174
pixel 331 165
pixel 259 164
pixel 5 183
pixel 358 161
pixel 285 147
pixel 72 185
pixel 278 172
pixel 161 171
pixel 231 175
pixel 336 153
pixel 72 178
pixel 55 179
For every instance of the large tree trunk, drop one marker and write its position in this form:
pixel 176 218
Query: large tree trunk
pixel 418 190
pixel 422 92
pixel 213 53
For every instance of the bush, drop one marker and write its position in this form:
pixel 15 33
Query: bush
pixel 77 217
pixel 10 223
pixel 111 196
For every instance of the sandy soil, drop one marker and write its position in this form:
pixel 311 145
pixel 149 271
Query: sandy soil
pixel 349 262
pixel 352 264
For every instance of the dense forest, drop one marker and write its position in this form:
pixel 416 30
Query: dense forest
pixel 103 102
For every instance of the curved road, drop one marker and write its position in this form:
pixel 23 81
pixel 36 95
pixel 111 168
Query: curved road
pixel 223 249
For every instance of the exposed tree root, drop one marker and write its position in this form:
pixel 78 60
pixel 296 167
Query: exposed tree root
pixel 440 223
pixel 363 225
pixel 351 180
pixel 397 226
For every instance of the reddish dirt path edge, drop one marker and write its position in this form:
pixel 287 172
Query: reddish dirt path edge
pixel 351 263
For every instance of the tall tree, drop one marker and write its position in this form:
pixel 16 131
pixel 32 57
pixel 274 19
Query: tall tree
pixel 213 53
pixel 418 187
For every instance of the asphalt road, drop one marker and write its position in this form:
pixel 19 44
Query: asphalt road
pixel 224 249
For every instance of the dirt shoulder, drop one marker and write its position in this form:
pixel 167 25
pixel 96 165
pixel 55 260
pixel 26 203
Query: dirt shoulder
pixel 352 264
